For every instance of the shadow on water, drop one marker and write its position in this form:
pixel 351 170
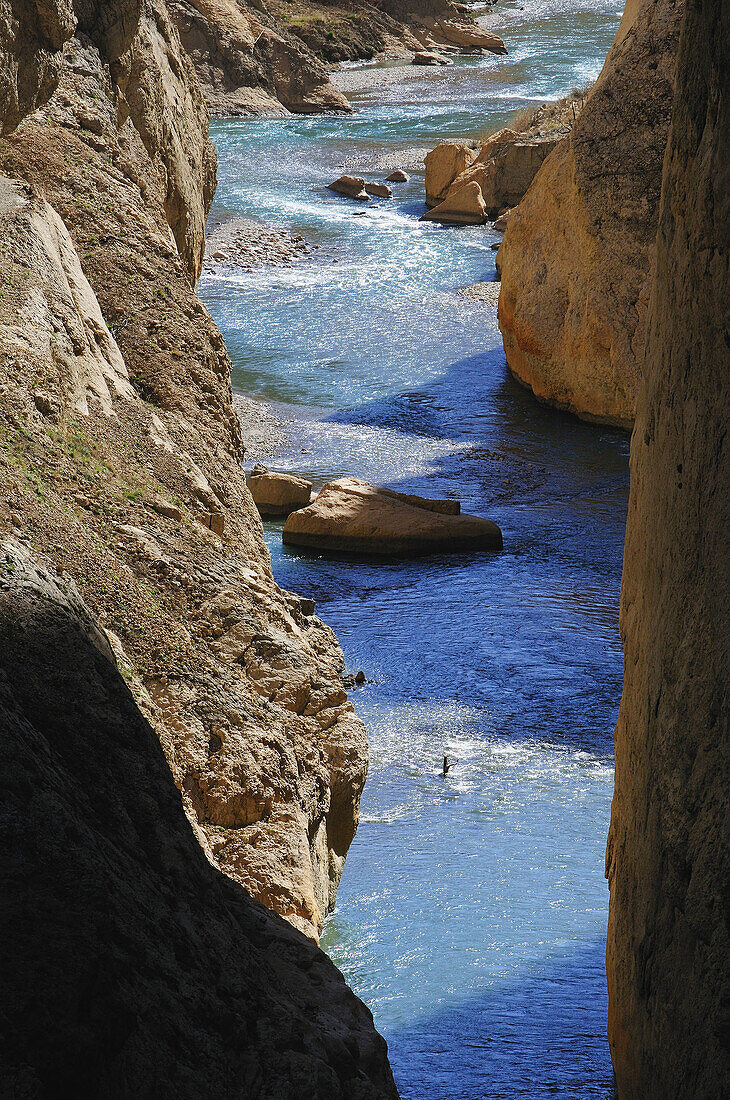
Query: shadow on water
pixel 531 1038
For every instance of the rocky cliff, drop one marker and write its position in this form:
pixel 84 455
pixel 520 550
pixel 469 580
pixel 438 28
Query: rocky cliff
pixel 120 467
pixel 576 256
pixel 131 967
pixel 668 856
pixel 249 63
pixel 271 57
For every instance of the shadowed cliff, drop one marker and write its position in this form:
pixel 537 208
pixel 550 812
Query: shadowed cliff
pixel 668 858
pixel 131 967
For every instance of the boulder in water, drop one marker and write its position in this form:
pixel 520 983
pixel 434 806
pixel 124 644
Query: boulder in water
pixel 443 165
pixel 353 516
pixel 380 190
pixel 429 57
pixel 353 187
pixel 463 207
pixel 398 176
pixel 278 494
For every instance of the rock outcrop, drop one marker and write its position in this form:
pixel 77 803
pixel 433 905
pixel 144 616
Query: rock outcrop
pixel 501 171
pixel 249 65
pixel 143 969
pixel 668 856
pixel 131 967
pixel 443 164
pixel 464 205
pixel 575 259
pixel 355 517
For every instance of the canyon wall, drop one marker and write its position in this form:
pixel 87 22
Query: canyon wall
pixel 131 967
pixel 668 855
pixel 249 63
pixel 576 255
pixel 120 474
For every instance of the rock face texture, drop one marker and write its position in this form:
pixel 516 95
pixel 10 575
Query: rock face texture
pixel 464 205
pixel 668 856
pixel 131 966
pixel 144 969
pixel 276 494
pixel 125 466
pixel 31 37
pixel 355 517
pixel 247 65
pixel 443 164
pixel 575 259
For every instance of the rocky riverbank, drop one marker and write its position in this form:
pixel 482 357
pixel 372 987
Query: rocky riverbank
pixel 121 475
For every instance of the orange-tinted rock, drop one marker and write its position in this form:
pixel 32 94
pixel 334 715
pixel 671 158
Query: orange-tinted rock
pixel 352 516
pixel 353 187
pixel 276 494
pixel 379 190
pixel 575 259
pixel 443 165
pixel 464 206
pixel 505 169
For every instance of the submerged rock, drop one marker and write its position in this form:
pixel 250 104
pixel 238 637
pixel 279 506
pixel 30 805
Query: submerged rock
pixel 353 516
pixel 277 494
pixel 353 187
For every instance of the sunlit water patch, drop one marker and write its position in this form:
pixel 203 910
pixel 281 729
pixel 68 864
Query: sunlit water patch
pixel 471 917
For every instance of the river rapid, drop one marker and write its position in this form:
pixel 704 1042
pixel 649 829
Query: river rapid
pixel 471 917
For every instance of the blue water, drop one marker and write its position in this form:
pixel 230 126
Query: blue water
pixel 472 913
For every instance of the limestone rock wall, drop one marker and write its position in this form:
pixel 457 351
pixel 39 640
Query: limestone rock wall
pixel 124 466
pixel 131 966
pixel 668 856
pixel 576 257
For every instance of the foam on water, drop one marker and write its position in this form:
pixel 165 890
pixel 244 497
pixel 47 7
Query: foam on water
pixel 471 916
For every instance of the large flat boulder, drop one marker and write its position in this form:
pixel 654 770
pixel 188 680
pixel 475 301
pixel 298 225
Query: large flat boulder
pixel 276 494
pixel 353 516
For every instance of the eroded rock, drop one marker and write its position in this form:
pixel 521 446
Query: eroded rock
pixel 443 165
pixel 463 206
pixel 668 854
pixel 353 187
pixel 576 255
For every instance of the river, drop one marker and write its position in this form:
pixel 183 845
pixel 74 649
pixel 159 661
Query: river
pixel 471 917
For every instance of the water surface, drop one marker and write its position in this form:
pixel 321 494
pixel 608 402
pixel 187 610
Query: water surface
pixel 471 917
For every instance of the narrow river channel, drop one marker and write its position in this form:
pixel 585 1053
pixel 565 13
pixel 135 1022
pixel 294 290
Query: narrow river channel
pixel 472 913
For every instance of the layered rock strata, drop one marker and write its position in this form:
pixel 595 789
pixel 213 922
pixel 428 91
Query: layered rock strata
pixel 668 856
pixel 123 464
pixel 575 259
